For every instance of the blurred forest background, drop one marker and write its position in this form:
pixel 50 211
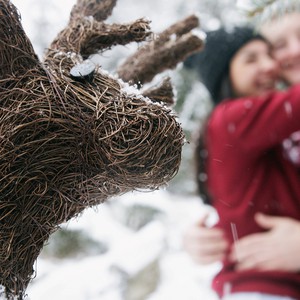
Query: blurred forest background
pixel 130 248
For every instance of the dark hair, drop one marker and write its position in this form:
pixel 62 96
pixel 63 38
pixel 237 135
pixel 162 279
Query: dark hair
pixel 213 62
pixel 200 157
pixel 200 153
pixel 213 65
pixel 226 91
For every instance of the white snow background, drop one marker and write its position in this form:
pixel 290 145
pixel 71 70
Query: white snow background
pixel 140 264
pixel 119 274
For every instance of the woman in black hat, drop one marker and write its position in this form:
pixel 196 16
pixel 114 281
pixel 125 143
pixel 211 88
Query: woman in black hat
pixel 243 169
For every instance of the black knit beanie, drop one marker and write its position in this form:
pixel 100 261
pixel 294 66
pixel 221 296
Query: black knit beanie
pixel 212 63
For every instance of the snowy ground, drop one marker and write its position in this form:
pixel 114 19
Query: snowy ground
pixel 108 276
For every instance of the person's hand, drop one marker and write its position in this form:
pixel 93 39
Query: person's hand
pixel 205 245
pixel 276 249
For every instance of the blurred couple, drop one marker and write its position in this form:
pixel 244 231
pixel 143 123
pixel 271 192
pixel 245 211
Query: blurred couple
pixel 248 161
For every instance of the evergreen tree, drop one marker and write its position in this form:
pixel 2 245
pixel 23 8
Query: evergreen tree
pixel 263 10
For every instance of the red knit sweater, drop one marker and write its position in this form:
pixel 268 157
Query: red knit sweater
pixel 248 173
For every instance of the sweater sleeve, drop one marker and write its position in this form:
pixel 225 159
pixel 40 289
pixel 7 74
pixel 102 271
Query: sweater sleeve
pixel 257 124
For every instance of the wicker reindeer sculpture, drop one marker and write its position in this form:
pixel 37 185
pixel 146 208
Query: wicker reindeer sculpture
pixel 71 135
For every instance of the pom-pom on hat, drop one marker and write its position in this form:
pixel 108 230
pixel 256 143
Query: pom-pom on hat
pixel 212 63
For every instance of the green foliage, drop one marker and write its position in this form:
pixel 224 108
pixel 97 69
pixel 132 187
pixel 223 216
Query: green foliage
pixel 261 11
pixel 134 216
pixel 72 243
pixel 192 106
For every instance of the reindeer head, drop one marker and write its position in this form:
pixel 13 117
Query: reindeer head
pixel 71 134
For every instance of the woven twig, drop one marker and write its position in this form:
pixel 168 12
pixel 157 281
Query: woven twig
pixel 67 144
pixel 163 92
pixel 87 36
pixel 17 54
pixel 178 29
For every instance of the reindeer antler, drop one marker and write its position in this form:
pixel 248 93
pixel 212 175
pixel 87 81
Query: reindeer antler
pixel 87 34
pixel 163 92
pixel 16 51
pixel 170 47
pixel 100 10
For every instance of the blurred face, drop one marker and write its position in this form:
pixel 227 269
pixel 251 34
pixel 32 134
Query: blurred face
pixel 284 35
pixel 253 71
